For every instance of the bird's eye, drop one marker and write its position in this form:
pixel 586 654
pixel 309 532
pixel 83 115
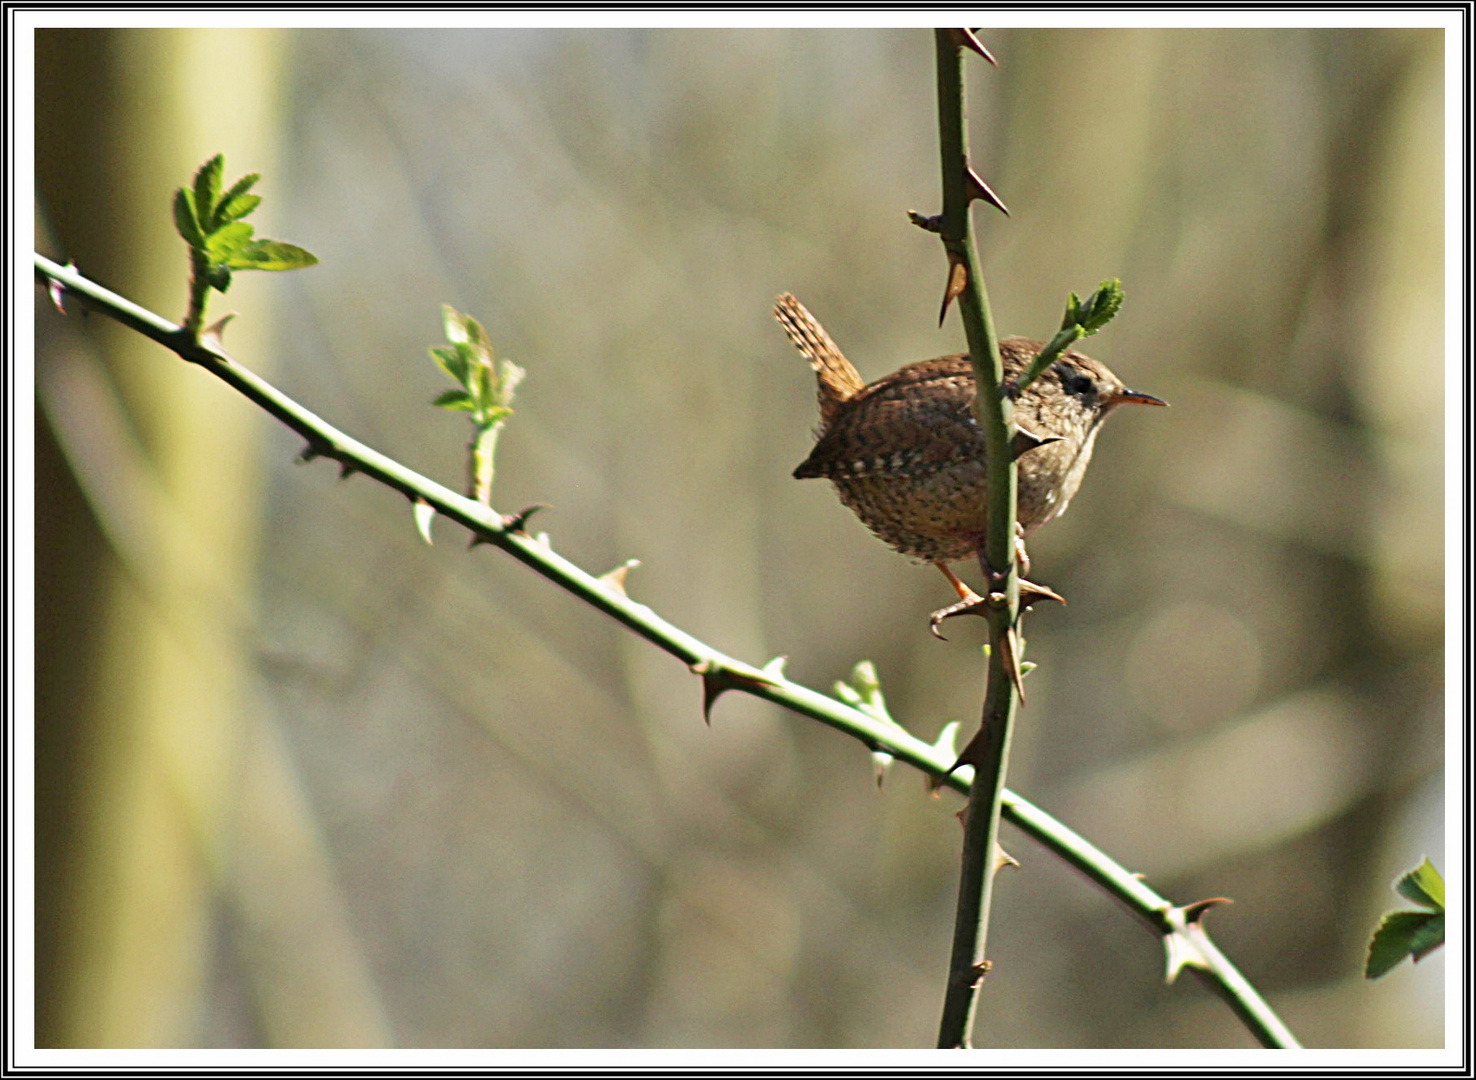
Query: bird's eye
pixel 1078 384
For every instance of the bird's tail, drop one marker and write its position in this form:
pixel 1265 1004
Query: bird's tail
pixel 837 380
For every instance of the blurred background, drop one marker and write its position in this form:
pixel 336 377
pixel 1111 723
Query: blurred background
pixel 303 781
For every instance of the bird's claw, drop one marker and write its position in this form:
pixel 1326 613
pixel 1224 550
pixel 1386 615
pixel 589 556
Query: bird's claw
pixel 974 604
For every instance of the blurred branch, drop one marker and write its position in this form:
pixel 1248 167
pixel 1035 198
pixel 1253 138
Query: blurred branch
pixel 989 751
pixel 719 671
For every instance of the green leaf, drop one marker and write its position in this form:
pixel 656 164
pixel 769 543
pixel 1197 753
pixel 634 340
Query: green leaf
pixel 458 400
pixel 1101 306
pixel 185 221
pixel 1401 934
pixel 454 323
pixel 1424 886
pixel 508 378
pixel 1073 311
pixel 228 240
pixel 235 203
pixel 219 276
pixel 207 189
pixel 476 336
pixel 452 360
pixel 271 255
pixel 482 388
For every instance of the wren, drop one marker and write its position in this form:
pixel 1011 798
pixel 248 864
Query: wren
pixel 905 453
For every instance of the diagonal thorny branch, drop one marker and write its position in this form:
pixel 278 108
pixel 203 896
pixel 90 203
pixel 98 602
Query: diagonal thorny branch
pixel 719 671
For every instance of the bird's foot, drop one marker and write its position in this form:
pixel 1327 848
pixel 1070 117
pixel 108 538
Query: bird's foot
pixel 974 604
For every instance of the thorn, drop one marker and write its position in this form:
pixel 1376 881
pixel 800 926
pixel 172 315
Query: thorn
pixel 517 522
pixel 978 189
pixel 958 279
pixel 424 513
pixel 775 667
pixel 615 579
pixel 981 969
pixel 477 540
pixel 309 453
pixel 1185 940
pixel 932 224
pixel 214 335
pixel 713 687
pixel 1031 593
pixel 57 291
pixel 881 761
pixel 346 469
pixel 717 680
pixel 966 756
pixel 1003 858
pixel 1026 441
pixel 968 39
pixel 1011 660
pixel 1194 912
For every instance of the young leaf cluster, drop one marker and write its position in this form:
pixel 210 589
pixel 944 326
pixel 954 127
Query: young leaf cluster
pixel 1410 933
pixel 864 692
pixel 212 223
pixel 485 388
pixel 486 383
pixel 1096 312
pixel 1083 318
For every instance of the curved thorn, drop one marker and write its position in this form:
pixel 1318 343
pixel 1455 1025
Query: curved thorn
pixel 424 514
pixel 1026 441
pixel 978 189
pixel 1031 593
pixel 1194 912
pixel 958 280
pixel 968 39
pixel 517 522
pixel 615 578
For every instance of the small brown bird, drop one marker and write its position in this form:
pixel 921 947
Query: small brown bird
pixel 906 455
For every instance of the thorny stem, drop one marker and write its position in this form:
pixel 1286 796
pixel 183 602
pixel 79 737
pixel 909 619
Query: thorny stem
pixel 327 441
pixel 989 752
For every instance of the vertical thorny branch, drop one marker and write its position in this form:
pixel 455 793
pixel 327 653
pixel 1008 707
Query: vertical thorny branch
pixel 988 752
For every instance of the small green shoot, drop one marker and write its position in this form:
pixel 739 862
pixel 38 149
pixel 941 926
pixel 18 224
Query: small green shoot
pixel 1083 318
pixel 484 390
pixel 220 241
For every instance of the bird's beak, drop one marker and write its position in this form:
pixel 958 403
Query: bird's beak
pixel 1125 397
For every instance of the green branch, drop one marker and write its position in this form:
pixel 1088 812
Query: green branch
pixel 989 751
pixel 719 672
